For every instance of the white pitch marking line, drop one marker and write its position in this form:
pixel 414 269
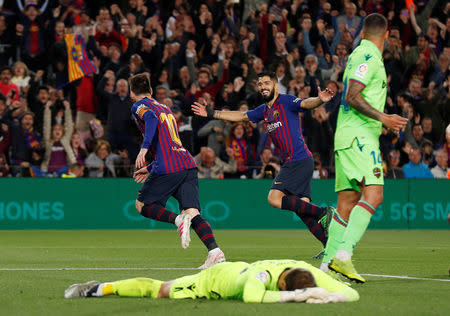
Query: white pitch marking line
pixel 404 277
pixel 191 269
pixel 91 269
pixel 200 246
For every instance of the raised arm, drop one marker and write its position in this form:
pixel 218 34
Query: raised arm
pixel 357 101
pixel 323 97
pixel 414 24
pixel 206 111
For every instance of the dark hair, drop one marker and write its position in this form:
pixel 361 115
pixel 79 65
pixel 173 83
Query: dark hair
pixel 140 84
pixel 202 71
pixel 75 165
pixel 42 88
pixel 299 279
pixel 425 36
pixel 2 98
pixel 407 97
pixel 269 74
pixel 375 25
pixel 6 68
pixel 30 5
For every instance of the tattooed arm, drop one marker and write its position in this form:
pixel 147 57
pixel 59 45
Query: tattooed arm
pixel 357 101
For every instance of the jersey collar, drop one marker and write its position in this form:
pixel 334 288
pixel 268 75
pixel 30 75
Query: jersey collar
pixel 372 47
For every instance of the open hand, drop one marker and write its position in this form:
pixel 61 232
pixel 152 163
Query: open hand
pixel 141 175
pixel 199 109
pixel 325 95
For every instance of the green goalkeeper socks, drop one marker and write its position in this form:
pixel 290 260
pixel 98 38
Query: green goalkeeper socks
pixel 335 234
pixel 357 225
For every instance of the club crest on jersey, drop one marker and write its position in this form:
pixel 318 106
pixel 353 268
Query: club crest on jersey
pixel 276 114
pixel 362 70
pixel 377 172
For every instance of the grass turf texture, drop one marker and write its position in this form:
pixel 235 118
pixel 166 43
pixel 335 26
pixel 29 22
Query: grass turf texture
pixel 412 253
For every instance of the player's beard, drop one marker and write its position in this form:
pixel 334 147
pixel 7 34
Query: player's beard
pixel 269 97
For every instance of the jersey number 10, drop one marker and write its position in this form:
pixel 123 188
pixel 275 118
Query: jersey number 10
pixel 171 122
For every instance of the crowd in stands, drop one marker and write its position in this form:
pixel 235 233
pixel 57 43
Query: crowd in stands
pixel 212 50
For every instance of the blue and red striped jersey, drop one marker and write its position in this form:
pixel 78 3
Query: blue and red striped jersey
pixel 284 126
pixel 159 127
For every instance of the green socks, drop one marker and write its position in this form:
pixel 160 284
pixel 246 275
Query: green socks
pixel 357 225
pixel 335 234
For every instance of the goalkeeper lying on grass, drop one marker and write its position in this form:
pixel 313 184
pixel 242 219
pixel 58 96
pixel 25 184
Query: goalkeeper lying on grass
pixel 267 281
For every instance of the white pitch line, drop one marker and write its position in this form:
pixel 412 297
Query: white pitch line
pixel 91 269
pixel 191 269
pixel 200 246
pixel 405 277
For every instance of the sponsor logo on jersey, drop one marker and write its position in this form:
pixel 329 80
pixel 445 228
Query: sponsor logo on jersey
pixel 297 99
pixel 362 70
pixel 273 126
pixel 367 57
pixel 377 172
pixel 263 276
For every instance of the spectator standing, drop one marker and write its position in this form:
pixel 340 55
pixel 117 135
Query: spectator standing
pixel 414 168
pixel 393 170
pixel 120 127
pixel 58 153
pixel 211 167
pixel 440 171
pixel 102 163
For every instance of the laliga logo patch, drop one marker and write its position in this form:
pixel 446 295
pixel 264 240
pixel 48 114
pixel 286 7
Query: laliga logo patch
pixel 362 70
pixel 263 276
pixel 377 172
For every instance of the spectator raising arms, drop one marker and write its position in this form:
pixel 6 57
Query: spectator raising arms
pixel 58 152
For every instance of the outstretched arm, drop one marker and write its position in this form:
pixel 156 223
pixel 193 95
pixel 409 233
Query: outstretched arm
pixel 357 101
pixel 255 292
pixel 323 97
pixel 206 111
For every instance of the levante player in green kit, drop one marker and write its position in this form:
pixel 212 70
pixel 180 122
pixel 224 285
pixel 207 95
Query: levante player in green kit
pixel 359 175
pixel 267 281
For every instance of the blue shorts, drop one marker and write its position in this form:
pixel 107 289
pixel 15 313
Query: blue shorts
pixel 183 186
pixel 294 178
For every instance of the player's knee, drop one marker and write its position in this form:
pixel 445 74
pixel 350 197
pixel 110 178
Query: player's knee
pixel 191 211
pixel 374 200
pixel 274 199
pixel 139 206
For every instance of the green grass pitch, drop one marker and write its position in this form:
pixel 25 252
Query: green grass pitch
pixel 37 283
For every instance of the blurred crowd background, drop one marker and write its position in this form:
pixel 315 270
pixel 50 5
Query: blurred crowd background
pixel 211 50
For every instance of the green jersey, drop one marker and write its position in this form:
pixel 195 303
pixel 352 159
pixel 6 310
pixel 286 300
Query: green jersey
pixel 256 282
pixel 365 66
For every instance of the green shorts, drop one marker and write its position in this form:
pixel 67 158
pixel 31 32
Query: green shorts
pixel 358 164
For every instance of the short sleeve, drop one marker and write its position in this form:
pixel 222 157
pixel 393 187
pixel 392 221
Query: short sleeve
pixel 292 103
pixel 257 114
pixel 363 69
